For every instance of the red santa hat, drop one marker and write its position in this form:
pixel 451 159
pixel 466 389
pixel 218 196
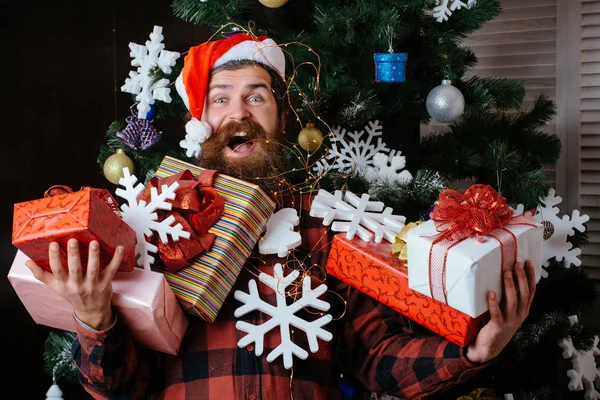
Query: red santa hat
pixel 192 83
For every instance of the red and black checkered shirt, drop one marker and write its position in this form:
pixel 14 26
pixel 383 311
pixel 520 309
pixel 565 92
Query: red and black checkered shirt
pixel 370 341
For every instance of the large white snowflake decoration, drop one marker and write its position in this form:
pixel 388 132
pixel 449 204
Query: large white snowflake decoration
pixel 146 58
pixel 585 374
pixel 388 169
pixel 142 217
pixel 445 8
pixel 349 152
pixel 557 245
pixel 282 315
pixel 367 219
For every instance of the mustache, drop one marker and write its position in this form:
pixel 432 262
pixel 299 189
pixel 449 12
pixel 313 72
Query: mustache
pixel 252 129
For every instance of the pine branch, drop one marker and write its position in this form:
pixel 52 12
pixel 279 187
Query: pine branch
pixel 58 361
pixel 211 13
pixel 498 93
pixel 579 239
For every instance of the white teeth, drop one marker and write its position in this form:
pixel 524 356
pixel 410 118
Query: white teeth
pixel 241 134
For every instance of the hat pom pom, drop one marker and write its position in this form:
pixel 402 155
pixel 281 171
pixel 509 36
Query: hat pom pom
pixel 197 133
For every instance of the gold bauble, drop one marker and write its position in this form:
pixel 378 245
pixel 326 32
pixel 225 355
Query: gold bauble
pixel 113 166
pixel 310 138
pixel 273 3
pixel 548 229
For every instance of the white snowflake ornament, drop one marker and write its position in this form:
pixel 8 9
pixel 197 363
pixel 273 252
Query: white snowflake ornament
pixel 282 315
pixel 350 152
pixel 557 245
pixel 280 236
pixel 389 169
pixel 142 217
pixel 585 373
pixel 445 8
pixel 367 219
pixel 140 82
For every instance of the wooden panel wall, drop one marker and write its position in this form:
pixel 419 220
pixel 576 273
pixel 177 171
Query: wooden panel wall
pixel 589 129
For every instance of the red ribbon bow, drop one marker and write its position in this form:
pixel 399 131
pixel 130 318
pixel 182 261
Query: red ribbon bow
pixel 479 210
pixel 197 207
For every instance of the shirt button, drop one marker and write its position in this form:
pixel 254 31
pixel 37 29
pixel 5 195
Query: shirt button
pixel 250 348
pixel 251 397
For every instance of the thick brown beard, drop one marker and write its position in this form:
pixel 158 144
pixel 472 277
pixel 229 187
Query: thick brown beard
pixel 265 162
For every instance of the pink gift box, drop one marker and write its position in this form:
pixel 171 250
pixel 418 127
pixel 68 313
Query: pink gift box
pixel 142 299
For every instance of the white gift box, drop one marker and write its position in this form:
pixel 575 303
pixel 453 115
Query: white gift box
pixel 473 268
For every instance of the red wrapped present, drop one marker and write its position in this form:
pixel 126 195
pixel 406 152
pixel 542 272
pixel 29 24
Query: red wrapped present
pixel 142 300
pixel 88 214
pixel 372 269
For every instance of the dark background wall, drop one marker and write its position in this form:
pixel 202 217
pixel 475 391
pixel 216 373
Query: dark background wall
pixel 63 65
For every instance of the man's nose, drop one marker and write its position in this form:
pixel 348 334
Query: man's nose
pixel 239 110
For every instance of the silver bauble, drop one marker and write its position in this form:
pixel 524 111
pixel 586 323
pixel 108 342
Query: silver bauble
pixel 445 103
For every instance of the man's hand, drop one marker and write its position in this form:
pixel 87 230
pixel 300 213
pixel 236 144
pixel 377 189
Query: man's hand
pixel 507 317
pixel 90 295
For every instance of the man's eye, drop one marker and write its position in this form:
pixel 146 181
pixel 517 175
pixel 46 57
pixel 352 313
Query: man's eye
pixel 220 100
pixel 255 99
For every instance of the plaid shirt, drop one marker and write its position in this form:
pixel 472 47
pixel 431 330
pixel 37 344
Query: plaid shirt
pixel 370 341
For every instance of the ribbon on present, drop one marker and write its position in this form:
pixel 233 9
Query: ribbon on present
pixel 197 207
pixel 480 211
pixel 400 247
pixel 103 194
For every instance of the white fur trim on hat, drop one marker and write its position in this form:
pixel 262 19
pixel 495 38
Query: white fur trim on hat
pixel 180 87
pixel 197 133
pixel 266 52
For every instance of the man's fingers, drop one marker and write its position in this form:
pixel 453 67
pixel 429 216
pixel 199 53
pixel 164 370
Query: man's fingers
pixel 523 285
pixel 530 273
pixel 510 293
pixel 113 266
pixel 55 264
pixel 40 273
pixel 495 314
pixel 93 266
pixel 74 260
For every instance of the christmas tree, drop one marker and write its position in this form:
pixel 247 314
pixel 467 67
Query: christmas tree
pixel 335 85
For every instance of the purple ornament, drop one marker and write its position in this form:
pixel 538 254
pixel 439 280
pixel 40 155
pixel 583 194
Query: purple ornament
pixel 139 133
pixel 234 31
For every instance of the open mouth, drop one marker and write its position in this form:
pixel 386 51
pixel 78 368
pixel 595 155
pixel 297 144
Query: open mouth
pixel 240 145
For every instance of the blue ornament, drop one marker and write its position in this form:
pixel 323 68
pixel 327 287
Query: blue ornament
pixel 390 67
pixel 152 113
pixel 427 217
pixel 347 389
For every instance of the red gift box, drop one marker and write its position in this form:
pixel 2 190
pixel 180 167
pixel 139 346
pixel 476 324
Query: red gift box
pixel 84 215
pixel 372 269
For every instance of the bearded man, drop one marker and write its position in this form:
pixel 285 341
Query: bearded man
pixel 236 95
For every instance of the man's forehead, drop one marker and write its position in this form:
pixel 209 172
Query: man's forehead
pixel 249 76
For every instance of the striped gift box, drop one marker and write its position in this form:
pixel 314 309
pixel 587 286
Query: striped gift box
pixel 203 286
